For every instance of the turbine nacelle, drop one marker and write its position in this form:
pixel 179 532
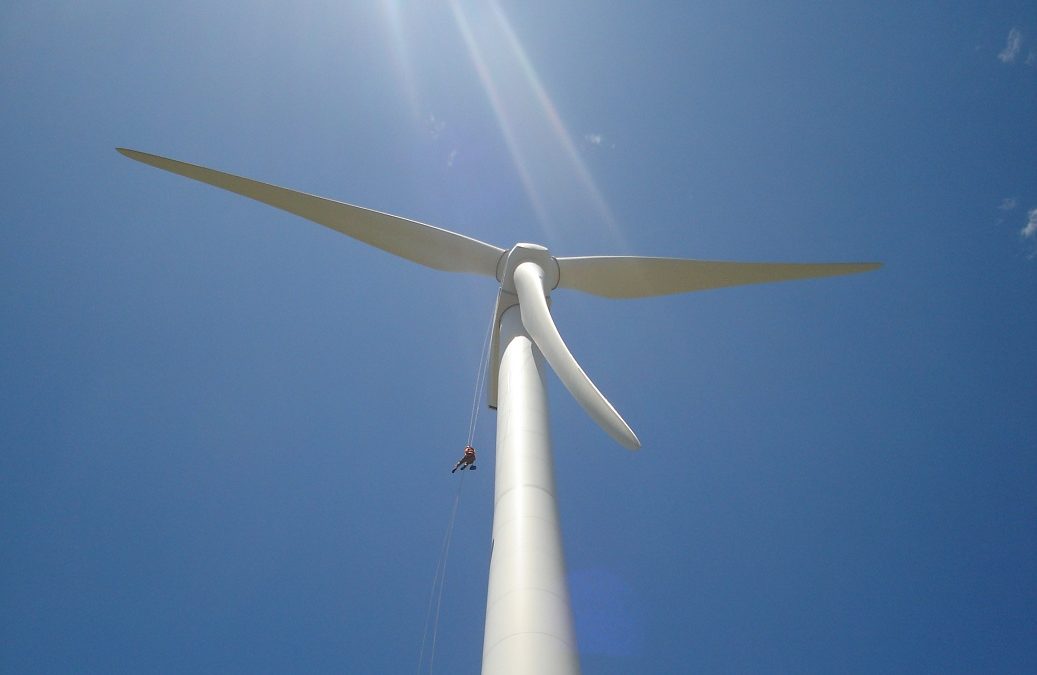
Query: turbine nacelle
pixel 534 253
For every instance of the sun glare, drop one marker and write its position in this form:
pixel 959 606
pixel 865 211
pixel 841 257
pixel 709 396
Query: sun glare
pixel 401 55
pixel 556 179
pixel 569 208
pixel 558 128
pixel 500 110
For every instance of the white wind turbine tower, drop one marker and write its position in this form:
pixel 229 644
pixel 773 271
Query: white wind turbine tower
pixel 529 626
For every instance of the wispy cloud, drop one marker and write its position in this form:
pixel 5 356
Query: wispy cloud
pixel 598 140
pixel 1030 231
pixel 450 159
pixel 434 126
pixel 1008 203
pixel 1013 45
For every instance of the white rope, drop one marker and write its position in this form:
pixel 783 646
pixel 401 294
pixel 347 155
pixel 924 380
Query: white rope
pixel 480 376
pixel 438 580
pixel 442 578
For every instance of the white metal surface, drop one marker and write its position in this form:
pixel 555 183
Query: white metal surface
pixel 529 626
pixel 529 282
pixel 424 244
pixel 638 277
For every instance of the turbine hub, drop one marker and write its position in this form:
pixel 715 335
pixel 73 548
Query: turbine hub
pixel 533 253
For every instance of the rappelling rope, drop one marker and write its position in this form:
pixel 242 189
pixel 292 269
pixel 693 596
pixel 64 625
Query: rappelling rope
pixel 439 578
pixel 442 577
pixel 438 583
pixel 480 377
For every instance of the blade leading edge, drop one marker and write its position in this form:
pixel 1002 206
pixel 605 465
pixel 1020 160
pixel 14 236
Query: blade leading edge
pixel 424 244
pixel 536 317
pixel 638 277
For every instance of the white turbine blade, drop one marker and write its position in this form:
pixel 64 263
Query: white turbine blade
pixel 536 317
pixel 636 277
pixel 421 243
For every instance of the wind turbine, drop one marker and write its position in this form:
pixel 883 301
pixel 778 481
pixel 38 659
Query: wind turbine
pixel 529 625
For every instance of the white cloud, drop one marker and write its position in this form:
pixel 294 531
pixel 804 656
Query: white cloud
pixel 598 140
pixel 1031 60
pixel 451 158
pixel 1008 203
pixel 1030 231
pixel 435 126
pixel 1013 45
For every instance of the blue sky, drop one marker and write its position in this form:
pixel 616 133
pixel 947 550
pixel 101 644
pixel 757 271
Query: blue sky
pixel 227 431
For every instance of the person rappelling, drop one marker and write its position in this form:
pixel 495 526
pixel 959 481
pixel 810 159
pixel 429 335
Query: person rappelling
pixel 467 461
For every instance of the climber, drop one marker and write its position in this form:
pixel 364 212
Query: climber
pixel 466 462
